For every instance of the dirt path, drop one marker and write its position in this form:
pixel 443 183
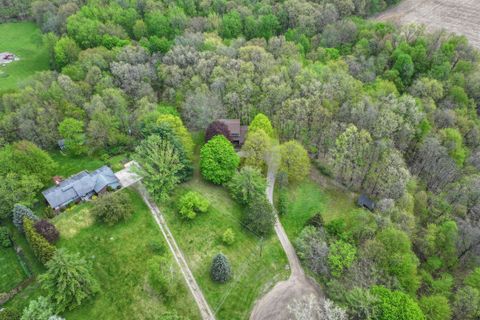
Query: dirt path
pixel 274 305
pixel 205 310
pixel 458 16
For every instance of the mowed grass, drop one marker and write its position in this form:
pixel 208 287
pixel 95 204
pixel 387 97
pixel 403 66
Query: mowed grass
pixel 309 198
pixel 119 256
pixel 256 264
pixel 24 39
pixel 69 165
pixel 11 271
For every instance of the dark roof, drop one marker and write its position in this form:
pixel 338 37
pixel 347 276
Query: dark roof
pixel 233 125
pixel 81 185
pixel 364 201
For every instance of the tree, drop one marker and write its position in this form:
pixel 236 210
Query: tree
pixel 220 270
pixel 218 160
pixel 111 208
pixel 258 217
pixel 466 303
pixel 435 308
pixel 261 122
pixel 395 305
pixel 473 279
pixel 313 249
pixel 192 203
pixel 159 165
pixel 19 213
pixel 294 162
pixel 311 308
pixel 341 257
pixel 68 281
pixel 47 230
pixel 17 189
pixel 66 52
pixel 256 149
pixel 42 249
pixel 247 185
pixel 72 132
pixel 228 237
pixel 180 131
pixel 231 26
pixel 10 314
pixel 217 128
pixel 39 309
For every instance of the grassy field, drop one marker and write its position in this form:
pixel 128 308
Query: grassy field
pixel 11 271
pixel 118 255
pixel 311 197
pixel 23 39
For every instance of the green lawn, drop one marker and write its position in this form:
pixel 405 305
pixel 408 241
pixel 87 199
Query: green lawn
pixel 118 255
pixel 24 39
pixel 69 165
pixel 257 265
pixel 308 198
pixel 11 271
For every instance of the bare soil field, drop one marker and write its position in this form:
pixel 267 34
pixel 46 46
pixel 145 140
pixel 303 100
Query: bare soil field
pixel 458 16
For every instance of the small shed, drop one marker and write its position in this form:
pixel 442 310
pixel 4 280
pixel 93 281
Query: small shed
pixel 61 144
pixel 366 202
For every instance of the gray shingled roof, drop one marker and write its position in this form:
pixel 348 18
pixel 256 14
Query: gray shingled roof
pixel 81 185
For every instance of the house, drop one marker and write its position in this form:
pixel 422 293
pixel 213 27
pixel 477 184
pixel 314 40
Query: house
pixel 237 131
pixel 81 186
pixel 366 202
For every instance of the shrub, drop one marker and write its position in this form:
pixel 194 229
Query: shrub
pixel 282 202
pixel 192 203
pixel 218 160
pixel 316 221
pixel 19 212
pixel 39 309
pixel 163 276
pixel 9 314
pixel 247 185
pixel 5 238
pixel 112 208
pixel 41 248
pixel 47 230
pixel 157 247
pixel 217 128
pixel 220 270
pixel 68 281
pixel 258 217
pixel 228 237
pixel 341 257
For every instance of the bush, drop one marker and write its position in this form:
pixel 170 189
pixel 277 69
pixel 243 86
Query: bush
pixel 192 203
pixel 39 309
pixel 217 128
pixel 9 314
pixel 220 270
pixel 218 160
pixel 157 247
pixel 19 212
pixel 228 237
pixel 47 230
pixel 282 202
pixel 5 241
pixel 316 221
pixel 112 208
pixel 41 248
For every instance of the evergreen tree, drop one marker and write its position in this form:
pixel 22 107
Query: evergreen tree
pixel 220 271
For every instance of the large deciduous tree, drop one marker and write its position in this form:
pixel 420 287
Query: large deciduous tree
pixel 247 185
pixel 294 162
pixel 72 132
pixel 218 160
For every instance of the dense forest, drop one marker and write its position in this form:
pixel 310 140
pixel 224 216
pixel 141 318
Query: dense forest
pixel 388 111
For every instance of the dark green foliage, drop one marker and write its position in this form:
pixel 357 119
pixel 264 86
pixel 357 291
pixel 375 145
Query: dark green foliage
pixel 112 207
pixel 258 217
pixel 20 212
pixel 220 270
pixel 5 241
pixel 316 221
pixel 68 281
pixel 47 230
pixel 282 202
pixel 247 185
pixel 42 249
pixel 218 160
pixel 10 314
pixel 231 26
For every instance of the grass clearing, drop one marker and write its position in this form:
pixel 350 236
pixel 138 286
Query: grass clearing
pixel 11 271
pixel 119 256
pixel 256 264
pixel 24 39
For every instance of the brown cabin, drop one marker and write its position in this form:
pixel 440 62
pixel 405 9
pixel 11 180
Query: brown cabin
pixel 237 131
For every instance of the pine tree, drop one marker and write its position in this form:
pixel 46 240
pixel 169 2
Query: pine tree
pixel 220 270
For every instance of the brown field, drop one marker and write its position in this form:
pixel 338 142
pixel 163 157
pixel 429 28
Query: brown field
pixel 458 16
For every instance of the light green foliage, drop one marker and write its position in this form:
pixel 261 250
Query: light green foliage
pixel 72 131
pixel 39 309
pixel 228 237
pixel 395 305
pixel 247 184
pixel 261 122
pixel 218 160
pixel 159 165
pixel 340 257
pixel 66 52
pixel 295 161
pixel 17 189
pixel 180 131
pixel 473 279
pixel 68 281
pixel 435 308
pixel 441 241
pixel 256 149
pixel 231 26
pixel 453 141
pixel 43 250
pixel 191 204
pixel 112 208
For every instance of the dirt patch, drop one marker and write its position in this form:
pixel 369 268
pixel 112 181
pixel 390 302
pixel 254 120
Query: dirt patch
pixel 458 16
